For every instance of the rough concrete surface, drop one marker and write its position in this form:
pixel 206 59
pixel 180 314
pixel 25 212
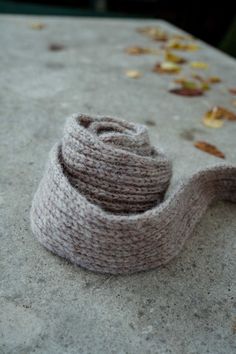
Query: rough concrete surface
pixel 46 304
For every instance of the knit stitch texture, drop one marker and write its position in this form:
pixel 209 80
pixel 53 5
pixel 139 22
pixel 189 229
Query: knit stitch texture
pixel 101 203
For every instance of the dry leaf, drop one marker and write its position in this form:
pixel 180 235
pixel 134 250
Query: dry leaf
pixel 234 102
pixel 155 33
pixel 56 47
pixel 199 65
pixel 212 119
pixel 150 122
pixel 133 74
pixel 214 80
pixel 180 45
pixel 187 92
pixel 37 25
pixel 233 91
pixel 166 67
pixel 216 116
pixel 209 148
pixel 227 114
pixel 182 36
pixel 184 82
pixel 208 81
pixel 141 50
pixel 170 57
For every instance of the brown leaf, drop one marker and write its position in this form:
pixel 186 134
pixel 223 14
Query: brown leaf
pixel 209 148
pixel 155 33
pixel 187 92
pixel 234 102
pixel 56 47
pixel 141 50
pixel 37 25
pixel 135 50
pixel 150 122
pixel 214 80
pixel 233 91
pixel 206 82
pixel 223 113
pixel 170 57
pixel 216 116
pixel 166 67
pixel 209 81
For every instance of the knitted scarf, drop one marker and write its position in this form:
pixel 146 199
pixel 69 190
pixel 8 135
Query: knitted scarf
pixel 101 203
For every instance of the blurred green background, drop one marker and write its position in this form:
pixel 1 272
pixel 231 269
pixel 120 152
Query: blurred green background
pixel 213 22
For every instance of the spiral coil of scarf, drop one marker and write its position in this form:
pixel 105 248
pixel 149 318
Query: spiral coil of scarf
pixel 101 203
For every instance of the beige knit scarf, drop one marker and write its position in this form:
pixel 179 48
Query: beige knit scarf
pixel 101 202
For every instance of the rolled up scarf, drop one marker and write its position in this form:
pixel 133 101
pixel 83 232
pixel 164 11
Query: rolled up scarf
pixel 101 203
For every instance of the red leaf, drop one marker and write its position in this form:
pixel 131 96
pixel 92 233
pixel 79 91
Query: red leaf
pixel 187 92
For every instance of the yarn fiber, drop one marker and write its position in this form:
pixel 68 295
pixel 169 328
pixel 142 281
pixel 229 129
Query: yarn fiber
pixel 101 202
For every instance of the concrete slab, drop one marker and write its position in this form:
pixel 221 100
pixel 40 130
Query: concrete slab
pixel 50 306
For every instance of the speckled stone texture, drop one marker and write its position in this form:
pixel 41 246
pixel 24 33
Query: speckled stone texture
pixel 46 304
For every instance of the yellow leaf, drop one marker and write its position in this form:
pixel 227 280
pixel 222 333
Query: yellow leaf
pixel 192 47
pixel 155 33
pixel 133 74
pixel 170 57
pixel 211 120
pixel 187 83
pixel 167 67
pixel 214 118
pixel 199 65
pixel 37 25
pixel 180 45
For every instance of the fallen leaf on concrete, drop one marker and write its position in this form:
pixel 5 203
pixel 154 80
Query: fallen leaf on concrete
pixel 182 36
pixel 206 82
pixel 150 122
pixel 215 117
pixel 141 50
pixel 225 113
pixel 199 65
pixel 209 148
pixel 233 91
pixel 180 45
pixel 37 25
pixel 214 80
pixel 170 57
pixel 186 83
pixel 187 92
pixel 197 81
pixel 212 119
pixel 56 47
pixel 166 67
pixel 155 33
pixel 133 74
pixel 234 102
